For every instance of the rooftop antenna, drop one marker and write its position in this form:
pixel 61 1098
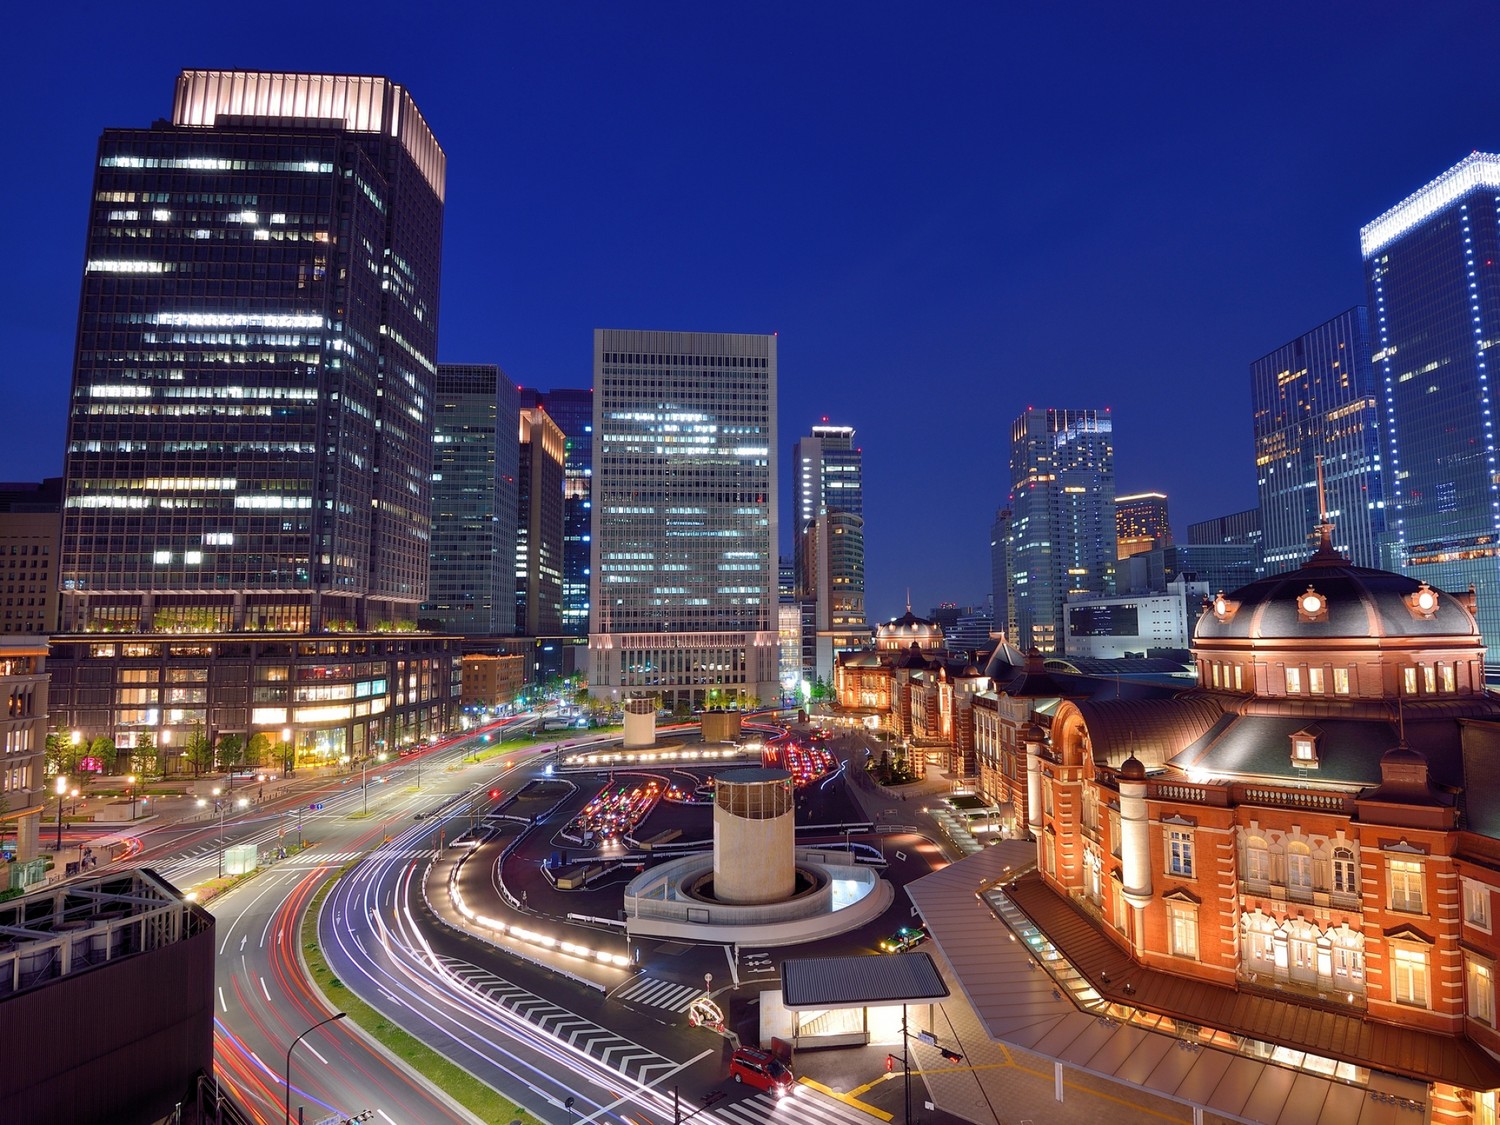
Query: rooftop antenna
pixel 1324 527
pixel 908 599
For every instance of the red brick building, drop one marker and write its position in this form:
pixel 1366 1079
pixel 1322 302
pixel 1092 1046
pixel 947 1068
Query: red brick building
pixel 1300 852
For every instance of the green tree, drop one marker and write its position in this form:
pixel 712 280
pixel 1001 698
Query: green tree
pixel 62 756
pixel 231 751
pixel 199 749
pixel 147 760
pixel 259 750
pixel 104 749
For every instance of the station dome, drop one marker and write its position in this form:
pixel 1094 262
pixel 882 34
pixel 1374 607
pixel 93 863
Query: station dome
pixel 1329 597
pixel 908 630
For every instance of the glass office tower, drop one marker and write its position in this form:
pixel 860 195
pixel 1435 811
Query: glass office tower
pixel 1062 523
pixel 471 584
pixel 249 451
pixel 1140 522
pixel 1430 265
pixel 684 534
pixel 573 411
pixel 539 526
pixel 250 429
pixel 1315 398
pixel 828 498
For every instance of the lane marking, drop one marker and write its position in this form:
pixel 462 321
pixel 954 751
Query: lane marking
pixel 264 989
pixel 222 1005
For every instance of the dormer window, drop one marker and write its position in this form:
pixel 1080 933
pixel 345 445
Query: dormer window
pixel 1305 749
pixel 1312 606
pixel 1423 601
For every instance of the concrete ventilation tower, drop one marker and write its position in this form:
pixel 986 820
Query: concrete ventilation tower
pixel 640 723
pixel 753 841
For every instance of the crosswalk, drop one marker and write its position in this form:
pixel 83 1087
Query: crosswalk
pixel 614 1051
pixel 655 993
pixel 803 1105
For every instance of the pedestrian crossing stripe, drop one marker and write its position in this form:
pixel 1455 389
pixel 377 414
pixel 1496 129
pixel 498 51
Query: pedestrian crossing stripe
pixel 803 1106
pixel 664 994
pixel 614 1051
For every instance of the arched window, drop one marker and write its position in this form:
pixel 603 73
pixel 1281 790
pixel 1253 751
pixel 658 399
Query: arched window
pixel 1257 860
pixel 1299 875
pixel 1345 872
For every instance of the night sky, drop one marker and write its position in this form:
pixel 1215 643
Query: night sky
pixel 948 212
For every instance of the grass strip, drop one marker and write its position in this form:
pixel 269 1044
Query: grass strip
pixel 477 1097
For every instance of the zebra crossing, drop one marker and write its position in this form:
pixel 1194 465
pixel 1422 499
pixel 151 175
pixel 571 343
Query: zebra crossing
pixel 614 1051
pixel 656 993
pixel 804 1106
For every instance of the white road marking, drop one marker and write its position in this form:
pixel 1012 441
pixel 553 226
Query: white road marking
pixel 221 999
pixel 264 989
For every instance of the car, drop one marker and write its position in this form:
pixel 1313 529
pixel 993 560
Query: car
pixel 761 1069
pixel 907 937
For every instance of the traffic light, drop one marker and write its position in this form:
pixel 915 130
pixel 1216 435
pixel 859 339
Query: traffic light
pixel 890 1063
pixel 952 1056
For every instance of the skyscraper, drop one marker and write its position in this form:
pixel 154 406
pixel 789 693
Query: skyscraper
pixel 999 579
pixel 1062 526
pixel 1315 398
pixel 573 411
pixel 539 526
pixel 828 497
pixel 1435 312
pixel 1140 520
pixel 684 534
pixel 250 432
pixel 471 584
pixel 249 451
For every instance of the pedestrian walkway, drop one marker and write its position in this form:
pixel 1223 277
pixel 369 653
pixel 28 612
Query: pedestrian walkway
pixel 656 993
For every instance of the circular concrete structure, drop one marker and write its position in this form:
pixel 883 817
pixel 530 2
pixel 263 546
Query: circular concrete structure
pixel 754 840
pixel 640 723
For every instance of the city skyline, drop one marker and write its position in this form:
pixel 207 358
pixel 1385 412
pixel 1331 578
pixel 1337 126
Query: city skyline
pixel 976 209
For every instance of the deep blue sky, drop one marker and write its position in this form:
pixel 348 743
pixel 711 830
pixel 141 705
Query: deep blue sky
pixel 948 212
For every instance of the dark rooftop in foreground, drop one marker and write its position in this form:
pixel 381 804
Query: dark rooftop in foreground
pixel 857 981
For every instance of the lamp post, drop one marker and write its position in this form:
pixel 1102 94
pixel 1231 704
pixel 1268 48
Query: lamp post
pixel 61 788
pixel 286 1104
pixel 364 791
pixel 286 751
pixel 131 782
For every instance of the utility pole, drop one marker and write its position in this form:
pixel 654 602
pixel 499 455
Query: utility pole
pixel 906 1064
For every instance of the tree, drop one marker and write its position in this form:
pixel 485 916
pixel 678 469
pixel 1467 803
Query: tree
pixel 147 761
pixel 259 749
pixel 231 751
pixel 199 749
pixel 62 755
pixel 104 749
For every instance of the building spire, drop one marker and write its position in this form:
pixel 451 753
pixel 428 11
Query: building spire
pixel 1324 528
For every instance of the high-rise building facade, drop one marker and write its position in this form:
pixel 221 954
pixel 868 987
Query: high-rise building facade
pixel 685 517
pixel 249 450
pixel 539 528
pixel 1435 314
pixel 471 583
pixel 1315 409
pixel 1237 528
pixel 828 498
pixel 30 525
pixel 1062 525
pixel 999 577
pixel 250 430
pixel 573 411
pixel 1140 521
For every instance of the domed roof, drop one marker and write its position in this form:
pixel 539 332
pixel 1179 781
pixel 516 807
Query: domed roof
pixel 1331 597
pixel 907 628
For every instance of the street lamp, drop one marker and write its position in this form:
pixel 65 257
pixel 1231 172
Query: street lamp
pixel 222 807
pixel 364 792
pixel 286 1104
pixel 286 751
pixel 131 782
pixel 61 788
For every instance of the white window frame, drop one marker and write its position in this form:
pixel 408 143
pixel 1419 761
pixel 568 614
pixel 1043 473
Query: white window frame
pixel 1299 863
pixel 1180 857
pixel 1477 905
pixel 1407 878
pixel 1293 680
pixel 1182 930
pixel 1345 870
pixel 1410 976
pixel 1479 987
pixel 1341 681
pixel 1257 860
